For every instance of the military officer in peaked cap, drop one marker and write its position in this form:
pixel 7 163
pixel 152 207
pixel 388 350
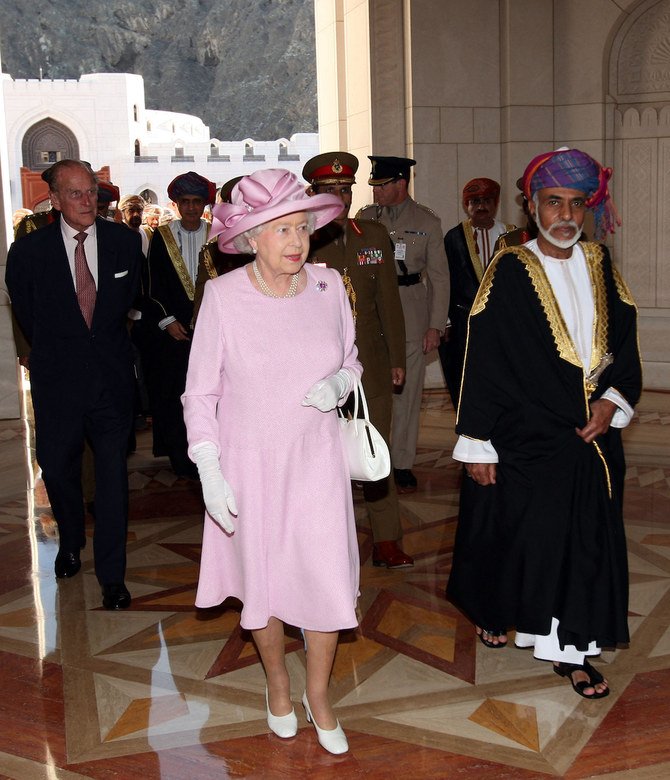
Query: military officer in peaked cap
pixel 362 252
pixel 423 280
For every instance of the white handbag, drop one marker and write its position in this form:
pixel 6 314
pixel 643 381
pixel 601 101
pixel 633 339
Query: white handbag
pixel 366 451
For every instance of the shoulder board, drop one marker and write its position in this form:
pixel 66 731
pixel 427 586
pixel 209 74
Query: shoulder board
pixel 362 210
pixel 426 209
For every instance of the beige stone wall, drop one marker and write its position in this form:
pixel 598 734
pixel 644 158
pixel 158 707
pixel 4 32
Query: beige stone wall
pixel 478 87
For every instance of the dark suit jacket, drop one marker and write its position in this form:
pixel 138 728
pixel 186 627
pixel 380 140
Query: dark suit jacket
pixel 64 352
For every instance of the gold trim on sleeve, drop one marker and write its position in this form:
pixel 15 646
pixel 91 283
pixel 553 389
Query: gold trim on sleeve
pixel 622 288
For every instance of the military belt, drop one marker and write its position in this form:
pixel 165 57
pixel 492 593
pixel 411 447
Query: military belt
pixel 407 280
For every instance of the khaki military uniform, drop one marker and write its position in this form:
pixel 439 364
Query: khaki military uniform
pixel 364 257
pixel 424 292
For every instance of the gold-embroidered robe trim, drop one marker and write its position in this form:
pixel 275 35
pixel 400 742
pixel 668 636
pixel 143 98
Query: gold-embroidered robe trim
pixel 594 262
pixel 177 261
pixel 208 260
pixel 477 265
pixel 566 348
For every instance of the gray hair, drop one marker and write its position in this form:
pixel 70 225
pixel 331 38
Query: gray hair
pixel 241 242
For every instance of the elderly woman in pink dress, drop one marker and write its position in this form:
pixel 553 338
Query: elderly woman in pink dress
pixel 273 355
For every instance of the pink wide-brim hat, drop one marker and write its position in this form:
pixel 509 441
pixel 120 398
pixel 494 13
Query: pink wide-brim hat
pixel 262 197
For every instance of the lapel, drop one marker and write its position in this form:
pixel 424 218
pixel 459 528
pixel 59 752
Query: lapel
pixel 104 262
pixel 475 260
pixel 57 266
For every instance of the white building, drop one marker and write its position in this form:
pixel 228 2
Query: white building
pixel 102 118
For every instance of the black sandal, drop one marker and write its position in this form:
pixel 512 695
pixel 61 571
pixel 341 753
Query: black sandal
pixel 595 678
pixel 497 633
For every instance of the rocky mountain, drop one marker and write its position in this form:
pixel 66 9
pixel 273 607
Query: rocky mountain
pixel 246 67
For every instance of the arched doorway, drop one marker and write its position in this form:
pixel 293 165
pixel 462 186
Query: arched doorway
pixel 46 142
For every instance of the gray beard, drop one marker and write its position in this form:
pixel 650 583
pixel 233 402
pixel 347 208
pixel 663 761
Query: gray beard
pixel 566 243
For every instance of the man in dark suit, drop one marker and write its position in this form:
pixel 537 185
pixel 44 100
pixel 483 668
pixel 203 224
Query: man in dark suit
pixel 72 284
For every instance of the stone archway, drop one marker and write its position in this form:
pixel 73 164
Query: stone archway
pixel 46 142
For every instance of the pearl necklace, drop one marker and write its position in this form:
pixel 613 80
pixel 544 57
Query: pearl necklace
pixel 290 293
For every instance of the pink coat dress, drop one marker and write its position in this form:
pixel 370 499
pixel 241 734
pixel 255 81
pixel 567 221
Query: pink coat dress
pixel 294 552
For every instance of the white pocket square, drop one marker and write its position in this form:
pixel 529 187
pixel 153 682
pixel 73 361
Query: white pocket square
pixel 120 274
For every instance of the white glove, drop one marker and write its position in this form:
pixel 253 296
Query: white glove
pixel 217 493
pixel 326 394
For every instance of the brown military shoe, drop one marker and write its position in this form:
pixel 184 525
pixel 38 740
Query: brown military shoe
pixel 405 480
pixel 390 555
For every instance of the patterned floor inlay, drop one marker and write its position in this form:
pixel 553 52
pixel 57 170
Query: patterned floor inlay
pixel 167 691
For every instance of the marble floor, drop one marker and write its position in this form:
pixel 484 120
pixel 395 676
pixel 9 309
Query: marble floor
pixel 165 691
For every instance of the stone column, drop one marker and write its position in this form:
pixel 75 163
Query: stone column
pixel 9 397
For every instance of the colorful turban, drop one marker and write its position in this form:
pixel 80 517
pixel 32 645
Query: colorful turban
pixel 575 170
pixel 192 183
pixel 481 188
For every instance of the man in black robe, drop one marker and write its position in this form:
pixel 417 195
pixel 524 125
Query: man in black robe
pixel 167 314
pixel 552 371
pixel 469 247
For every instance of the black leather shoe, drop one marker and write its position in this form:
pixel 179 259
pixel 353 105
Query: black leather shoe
pixel 405 481
pixel 67 564
pixel 115 596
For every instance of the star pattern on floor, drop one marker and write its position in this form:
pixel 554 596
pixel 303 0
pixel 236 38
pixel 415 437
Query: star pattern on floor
pixel 163 679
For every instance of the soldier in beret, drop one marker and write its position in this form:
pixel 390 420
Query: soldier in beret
pixel 108 193
pixel 212 262
pixel 168 307
pixel 469 247
pixel 362 252
pixel 39 219
pixel 423 280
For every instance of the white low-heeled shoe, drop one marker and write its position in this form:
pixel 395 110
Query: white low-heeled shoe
pixel 284 726
pixel 332 740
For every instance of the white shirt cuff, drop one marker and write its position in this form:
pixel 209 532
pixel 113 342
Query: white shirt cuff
pixel 166 321
pixel 624 413
pixel 474 451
